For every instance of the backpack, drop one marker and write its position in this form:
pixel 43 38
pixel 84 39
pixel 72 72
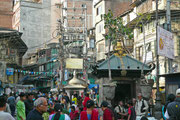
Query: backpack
pixel 113 112
pixel 133 114
pixel 117 115
pixel 174 110
pixel 142 111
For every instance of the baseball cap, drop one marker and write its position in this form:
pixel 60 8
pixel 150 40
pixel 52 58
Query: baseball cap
pixel 178 92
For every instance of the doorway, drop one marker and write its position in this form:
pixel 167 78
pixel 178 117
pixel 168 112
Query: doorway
pixel 123 92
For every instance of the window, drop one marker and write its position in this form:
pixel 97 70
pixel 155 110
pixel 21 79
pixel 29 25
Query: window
pixel 100 28
pixel 148 47
pixel 141 29
pixel 139 53
pixel 91 43
pixel 100 47
pixel 128 18
pixel 99 10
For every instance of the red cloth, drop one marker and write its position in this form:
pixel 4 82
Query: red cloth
pixel 74 115
pixel 107 114
pixel 84 102
pixel 94 115
pixel 129 110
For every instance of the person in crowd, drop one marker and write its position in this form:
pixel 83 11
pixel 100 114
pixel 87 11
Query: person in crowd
pixel 51 107
pixel 82 94
pixel 73 113
pixel 29 103
pixel 4 115
pixel 90 113
pixel 40 107
pixel 46 95
pixel 66 98
pixel 17 99
pixel 141 106
pixel 75 99
pixel 108 113
pixel 7 105
pixel 64 110
pixel 85 100
pixel 144 118
pixel 97 99
pixel 120 110
pixel 60 96
pixel 131 111
pixel 134 102
pixel 79 106
pixel 58 113
pixel 170 98
pixel 173 108
pixel 20 106
pixel 73 104
pixel 12 103
pixel 63 101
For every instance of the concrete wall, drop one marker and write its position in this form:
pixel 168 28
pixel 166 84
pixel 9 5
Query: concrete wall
pixel 55 16
pixel 34 23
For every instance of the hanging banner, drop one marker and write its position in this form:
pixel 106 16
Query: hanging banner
pixel 165 43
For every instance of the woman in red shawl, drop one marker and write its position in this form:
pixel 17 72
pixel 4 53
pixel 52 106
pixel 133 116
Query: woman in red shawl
pixel 108 114
pixel 90 113
pixel 85 100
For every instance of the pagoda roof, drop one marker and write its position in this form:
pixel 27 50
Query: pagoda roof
pixel 125 63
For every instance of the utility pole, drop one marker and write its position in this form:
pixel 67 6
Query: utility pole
pixel 168 27
pixel 158 98
pixel 74 24
pixel 61 55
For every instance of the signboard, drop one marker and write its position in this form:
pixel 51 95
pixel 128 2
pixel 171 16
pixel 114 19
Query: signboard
pixel 9 71
pixel 11 79
pixel 74 63
pixel 165 43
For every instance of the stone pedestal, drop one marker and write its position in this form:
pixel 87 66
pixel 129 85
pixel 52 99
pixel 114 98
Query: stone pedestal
pixel 109 92
pixel 146 90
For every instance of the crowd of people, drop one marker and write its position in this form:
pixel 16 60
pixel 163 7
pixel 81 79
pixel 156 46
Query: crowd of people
pixel 48 106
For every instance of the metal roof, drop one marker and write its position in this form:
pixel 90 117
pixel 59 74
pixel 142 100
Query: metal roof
pixel 14 38
pixel 128 63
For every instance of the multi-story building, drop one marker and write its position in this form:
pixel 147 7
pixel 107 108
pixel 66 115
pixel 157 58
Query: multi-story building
pixel 6 13
pixel 101 7
pixel 12 50
pixel 33 18
pixel 45 63
pixel 148 34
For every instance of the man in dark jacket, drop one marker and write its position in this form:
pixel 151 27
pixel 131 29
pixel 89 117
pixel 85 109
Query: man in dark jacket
pixel 40 107
pixel 173 108
pixel 29 103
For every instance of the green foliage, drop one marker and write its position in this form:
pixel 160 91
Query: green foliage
pixel 143 19
pixel 116 29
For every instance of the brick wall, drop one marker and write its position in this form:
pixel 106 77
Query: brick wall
pixel 6 13
pixel 118 6
pixel 78 4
